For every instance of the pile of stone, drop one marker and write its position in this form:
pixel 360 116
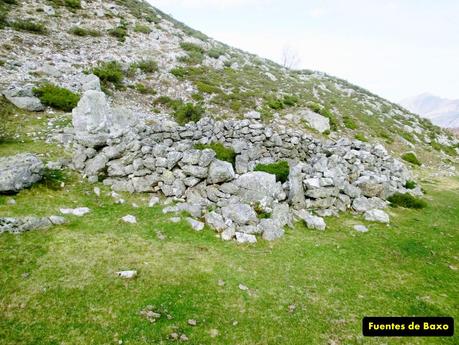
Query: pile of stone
pixel 325 177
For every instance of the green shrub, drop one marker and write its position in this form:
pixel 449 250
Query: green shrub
pixel 275 104
pixel 188 112
pixel 349 122
pixel 206 88
pixel 56 97
pixel 410 184
pixel 71 4
pixel 145 29
pixel 280 169
pixel 145 90
pixel 29 26
pixel 147 66
pixel 406 201
pixel 215 53
pixel 261 213
pixel 179 72
pixel 222 152
pixel 109 72
pixel 410 157
pixel 193 58
pixel 120 32
pixel 83 32
pixel 290 100
pixel 7 111
pixel 361 137
pixel 53 178
pixel 191 47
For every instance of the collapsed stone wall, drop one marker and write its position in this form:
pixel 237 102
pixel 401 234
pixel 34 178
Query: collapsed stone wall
pixel 158 155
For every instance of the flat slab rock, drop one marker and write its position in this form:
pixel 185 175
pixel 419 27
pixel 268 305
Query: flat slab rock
pixel 23 224
pixel 19 172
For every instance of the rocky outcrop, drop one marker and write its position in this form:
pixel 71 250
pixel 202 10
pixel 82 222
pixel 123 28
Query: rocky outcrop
pixel 23 98
pixel 19 171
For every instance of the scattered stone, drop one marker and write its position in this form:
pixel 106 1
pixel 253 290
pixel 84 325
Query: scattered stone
pixel 214 333
pixel 11 202
pixel 360 228
pixel 312 222
pixel 19 225
pixel 79 212
pixel 243 287
pixel 175 220
pixel 195 224
pixel 241 214
pixel 228 234
pixel 129 219
pixel 192 322
pixel 291 308
pixel 183 337
pixel 377 216
pixel 153 201
pixel 127 274
pixel 57 220
pixel 150 314
pixel 245 238
pixel 221 282
pixel 97 191
pixel 160 235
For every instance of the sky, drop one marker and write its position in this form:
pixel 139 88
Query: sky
pixel 395 49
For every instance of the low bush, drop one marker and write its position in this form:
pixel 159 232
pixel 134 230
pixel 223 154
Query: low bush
pixel 56 97
pixel 179 72
pixel 361 137
pixel 145 90
pixel 191 47
pixel 223 153
pixel 290 100
pixel 407 201
pixel 83 32
pixel 410 184
pixel 215 53
pixel 53 178
pixel 71 4
pixel 147 66
pixel 109 72
pixel 410 157
pixel 206 88
pixel 7 111
pixel 275 104
pixel 144 29
pixel 349 122
pixel 188 112
pixel 280 169
pixel 120 32
pixel 29 26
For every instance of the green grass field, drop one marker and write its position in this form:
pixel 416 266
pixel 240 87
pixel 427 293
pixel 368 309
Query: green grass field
pixel 59 286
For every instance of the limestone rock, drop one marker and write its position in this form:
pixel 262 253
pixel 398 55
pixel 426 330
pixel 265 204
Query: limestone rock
pixel 240 214
pixel 19 171
pixel 377 216
pixel 220 171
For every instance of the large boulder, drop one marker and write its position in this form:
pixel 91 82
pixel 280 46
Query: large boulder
pixel 23 98
pixel 318 122
pixel 240 214
pixel 259 186
pixel 377 216
pixel 220 171
pixel 20 171
pixel 19 225
pixel 94 115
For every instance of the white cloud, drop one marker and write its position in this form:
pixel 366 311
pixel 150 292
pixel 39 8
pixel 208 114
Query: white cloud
pixel 317 12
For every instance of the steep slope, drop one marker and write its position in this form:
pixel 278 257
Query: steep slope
pixel 441 111
pixel 159 63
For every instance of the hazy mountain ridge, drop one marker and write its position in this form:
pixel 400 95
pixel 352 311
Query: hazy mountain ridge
pixel 193 68
pixel 441 111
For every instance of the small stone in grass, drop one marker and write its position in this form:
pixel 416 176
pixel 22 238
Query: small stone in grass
pixel 175 220
pixel 192 322
pixel 183 337
pixel 127 274
pixel 291 308
pixel 174 336
pixel 360 228
pixel 243 287
pixel 214 333
pixel 97 191
pixel 160 236
pixel 129 219
pixel 221 282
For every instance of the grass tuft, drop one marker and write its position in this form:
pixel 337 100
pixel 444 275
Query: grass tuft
pixel 280 169
pixel 410 157
pixel 407 201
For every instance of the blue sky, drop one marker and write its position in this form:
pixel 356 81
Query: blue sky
pixel 393 48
